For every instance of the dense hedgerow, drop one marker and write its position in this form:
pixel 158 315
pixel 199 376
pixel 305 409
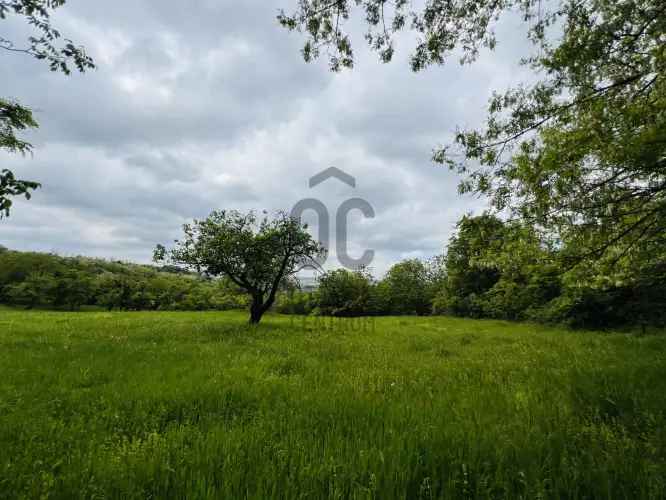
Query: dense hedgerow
pixel 500 270
pixel 491 269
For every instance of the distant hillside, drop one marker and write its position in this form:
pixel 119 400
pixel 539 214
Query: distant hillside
pixel 32 279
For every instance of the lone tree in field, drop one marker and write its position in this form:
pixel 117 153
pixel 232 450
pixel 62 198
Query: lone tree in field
pixel 257 255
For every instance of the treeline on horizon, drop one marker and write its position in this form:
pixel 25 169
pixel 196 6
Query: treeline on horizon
pixel 504 270
pixel 40 280
pixel 491 269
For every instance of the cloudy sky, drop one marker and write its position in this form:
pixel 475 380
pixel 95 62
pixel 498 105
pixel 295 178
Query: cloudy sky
pixel 193 109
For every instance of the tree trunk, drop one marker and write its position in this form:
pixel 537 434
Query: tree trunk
pixel 256 310
pixel 259 307
pixel 255 316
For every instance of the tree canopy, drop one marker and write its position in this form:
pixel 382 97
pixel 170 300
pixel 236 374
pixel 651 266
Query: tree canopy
pixel 344 293
pixel 410 287
pixel 582 152
pixel 60 54
pixel 256 254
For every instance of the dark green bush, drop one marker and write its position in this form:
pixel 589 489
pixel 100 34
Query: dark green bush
pixel 296 302
pixel 344 293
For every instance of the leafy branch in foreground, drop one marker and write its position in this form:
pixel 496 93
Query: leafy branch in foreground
pixel 255 254
pixel 581 154
pixel 13 116
pixel 440 27
pixel 44 46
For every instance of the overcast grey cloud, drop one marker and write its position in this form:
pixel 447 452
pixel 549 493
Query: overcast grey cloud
pixel 194 108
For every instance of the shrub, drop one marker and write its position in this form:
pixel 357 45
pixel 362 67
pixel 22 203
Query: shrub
pixel 344 293
pixel 407 288
pixel 296 302
pixel 36 290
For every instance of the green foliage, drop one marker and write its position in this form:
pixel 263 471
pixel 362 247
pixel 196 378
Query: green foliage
pixel 15 117
pixel 440 27
pixel 580 153
pixel 44 46
pixel 74 289
pixel 469 274
pixel 199 405
pixel 508 271
pixel 380 301
pixel 258 255
pixel 409 289
pixel 502 270
pixel 633 294
pixel 114 291
pixel 37 289
pixel 492 270
pixel 344 293
pixel 49 281
pixel 296 302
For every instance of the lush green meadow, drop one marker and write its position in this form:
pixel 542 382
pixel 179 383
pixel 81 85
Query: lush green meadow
pixel 199 405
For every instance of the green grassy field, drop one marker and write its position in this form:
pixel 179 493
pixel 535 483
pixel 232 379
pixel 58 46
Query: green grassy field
pixel 198 405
